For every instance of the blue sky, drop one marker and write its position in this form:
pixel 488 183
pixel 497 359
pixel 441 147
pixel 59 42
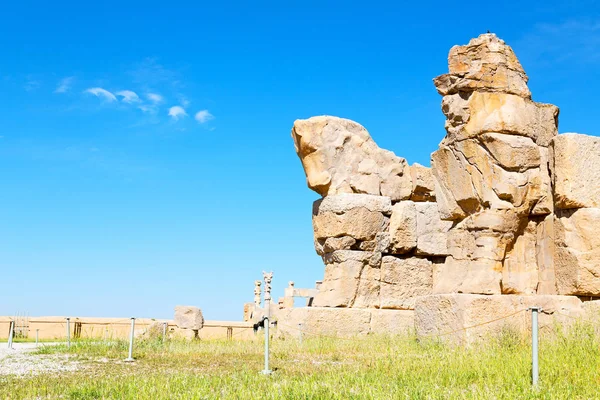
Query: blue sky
pixel 145 150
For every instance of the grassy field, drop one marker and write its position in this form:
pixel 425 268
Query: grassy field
pixel 323 368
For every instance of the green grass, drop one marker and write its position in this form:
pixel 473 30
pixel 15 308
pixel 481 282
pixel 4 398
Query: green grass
pixel 324 368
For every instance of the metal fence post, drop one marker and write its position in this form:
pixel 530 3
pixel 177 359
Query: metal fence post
pixel 300 330
pixel 268 277
pixel 68 333
pixel 164 331
pixel 37 334
pixel 11 332
pixel 267 371
pixel 130 358
pixel 535 373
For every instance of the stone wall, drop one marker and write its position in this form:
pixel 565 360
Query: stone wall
pixel 508 207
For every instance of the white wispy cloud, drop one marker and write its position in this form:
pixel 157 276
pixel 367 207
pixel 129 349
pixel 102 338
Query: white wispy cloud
pixel 177 112
pixel 102 93
pixel 148 108
pixel 129 96
pixel 64 85
pixel 155 98
pixel 203 116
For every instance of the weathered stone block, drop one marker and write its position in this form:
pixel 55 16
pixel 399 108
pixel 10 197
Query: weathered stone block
pixel 576 170
pixel 345 202
pixel 357 216
pixel 423 188
pixel 479 276
pixel 338 243
pixel 545 250
pixel 323 321
pixel 358 223
pixel 351 280
pixel 403 227
pixel 577 252
pixel 188 317
pixel 485 64
pixel 432 231
pixel 339 156
pixel 342 322
pixel 392 322
pixel 520 271
pixel 515 153
pixel 454 317
pixel 404 279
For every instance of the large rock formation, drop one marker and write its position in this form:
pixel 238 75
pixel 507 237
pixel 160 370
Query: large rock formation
pixel 508 208
pixel 489 174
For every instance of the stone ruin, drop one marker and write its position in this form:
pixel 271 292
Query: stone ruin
pixel 506 217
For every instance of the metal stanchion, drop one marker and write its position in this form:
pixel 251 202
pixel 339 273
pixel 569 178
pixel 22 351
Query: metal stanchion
pixel 267 319
pixel 130 358
pixel 535 373
pixel 68 333
pixel 300 330
pixel 37 336
pixel 164 331
pixel 11 333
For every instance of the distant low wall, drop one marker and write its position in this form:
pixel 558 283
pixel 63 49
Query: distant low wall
pixel 55 328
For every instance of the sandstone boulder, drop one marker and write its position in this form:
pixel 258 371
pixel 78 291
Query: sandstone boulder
pixel 338 243
pixel 423 188
pixel 432 231
pixel 188 317
pixel 463 318
pixel 485 64
pixel 342 322
pixel 479 276
pixel 500 113
pixel 577 251
pixel 404 279
pixel 403 227
pixel 339 156
pixel 314 321
pixel 576 171
pixel 392 322
pixel 520 271
pixel 356 216
pixel 545 251
pixel 545 205
pixel 351 280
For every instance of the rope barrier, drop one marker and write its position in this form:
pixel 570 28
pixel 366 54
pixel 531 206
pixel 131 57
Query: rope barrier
pixel 475 326
pixel 424 336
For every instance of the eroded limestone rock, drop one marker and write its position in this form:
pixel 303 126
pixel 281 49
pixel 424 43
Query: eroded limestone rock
pixel 423 188
pixel 491 171
pixel 508 209
pixel 576 171
pixel 188 317
pixel 520 271
pixel 351 280
pixel 577 251
pixel 343 322
pixel 358 216
pixel 461 313
pixel 403 227
pixel 404 279
pixel 432 231
pixel 339 156
pixel 485 64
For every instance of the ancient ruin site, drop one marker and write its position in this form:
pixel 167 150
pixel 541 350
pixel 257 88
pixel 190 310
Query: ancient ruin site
pixel 476 276
pixel 505 219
